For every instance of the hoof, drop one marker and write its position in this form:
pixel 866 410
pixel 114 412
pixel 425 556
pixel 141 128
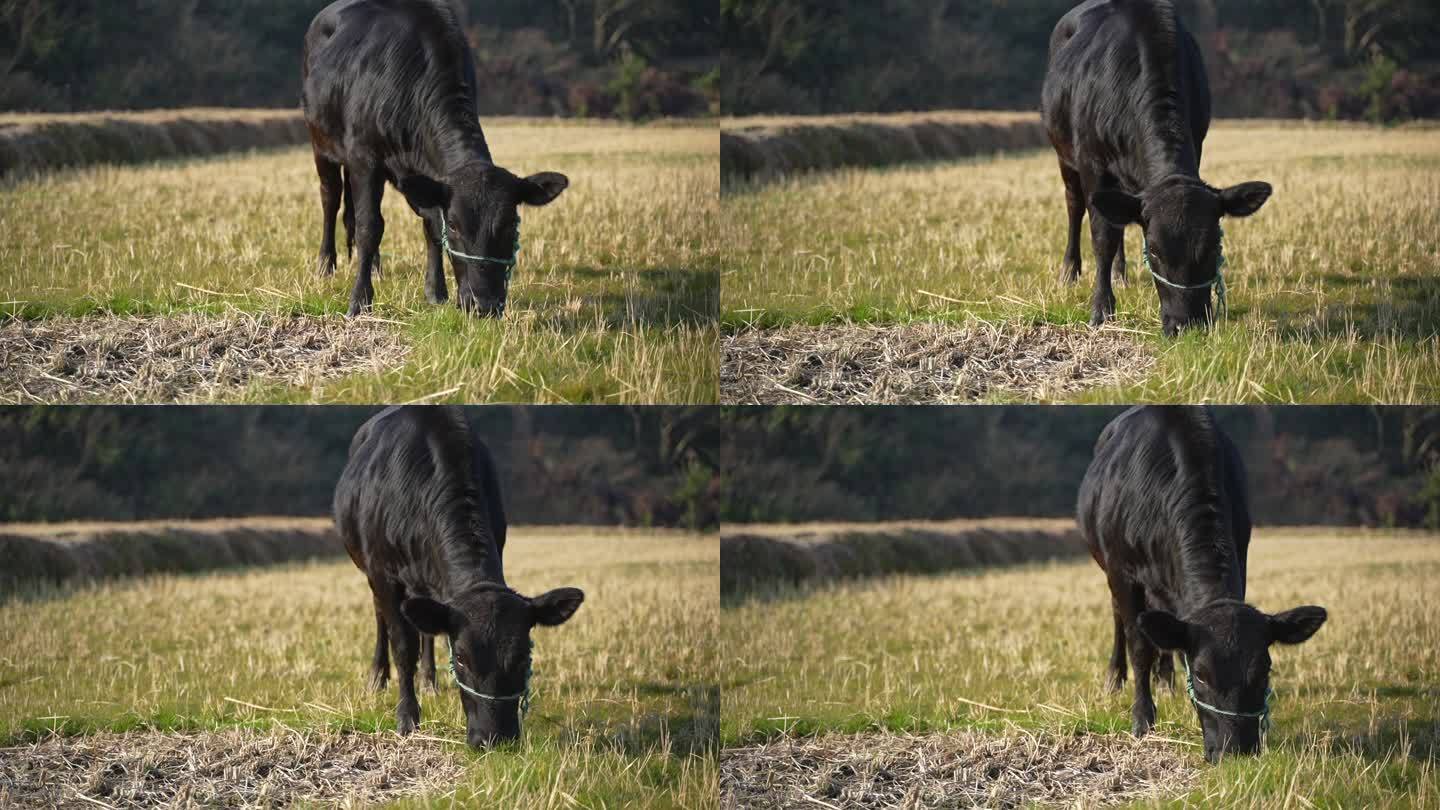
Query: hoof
pixel 325 265
pixel 1114 683
pixel 407 725
pixel 377 681
pixel 1069 273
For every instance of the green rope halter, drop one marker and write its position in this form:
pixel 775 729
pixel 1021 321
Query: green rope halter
pixel 1263 714
pixel 523 695
pixel 508 264
pixel 1217 281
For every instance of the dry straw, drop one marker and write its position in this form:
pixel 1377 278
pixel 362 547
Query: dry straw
pixel 764 149
pixel 185 357
pixel 756 558
pixel 65 552
pixel 966 769
pixel 924 363
pixel 233 768
pixel 30 143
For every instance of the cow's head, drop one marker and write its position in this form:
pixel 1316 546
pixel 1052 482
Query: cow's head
pixel 481 207
pixel 489 632
pixel 1227 647
pixel 1181 218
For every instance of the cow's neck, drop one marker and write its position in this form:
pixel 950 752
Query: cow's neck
pixel 1209 570
pixel 468 563
pixel 459 142
pixel 1168 145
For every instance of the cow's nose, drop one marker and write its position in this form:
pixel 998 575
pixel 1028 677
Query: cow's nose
pixel 482 306
pixel 480 740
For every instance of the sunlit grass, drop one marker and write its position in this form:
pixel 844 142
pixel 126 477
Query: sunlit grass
pixel 1334 285
pixel 1354 723
pixel 614 299
pixel 626 707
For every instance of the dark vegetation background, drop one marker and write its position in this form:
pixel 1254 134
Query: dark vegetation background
pixel 1371 466
pixel 624 58
pixel 587 465
pixel 1370 59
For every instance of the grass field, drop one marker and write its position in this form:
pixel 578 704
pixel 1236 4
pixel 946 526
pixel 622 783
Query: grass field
pixel 1334 286
pixel 626 696
pixel 1021 652
pixel 614 299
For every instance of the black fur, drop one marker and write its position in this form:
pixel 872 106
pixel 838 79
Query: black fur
pixel 1126 103
pixel 389 94
pixel 419 509
pixel 1164 510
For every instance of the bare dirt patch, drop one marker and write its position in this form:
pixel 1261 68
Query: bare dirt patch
pixel 186 357
pixel 923 363
pixel 967 769
pixel 226 768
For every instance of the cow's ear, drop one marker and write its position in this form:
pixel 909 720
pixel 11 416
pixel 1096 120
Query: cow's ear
pixel 422 192
pixel 557 606
pixel 542 188
pixel 430 616
pixel 1297 625
pixel 1117 207
pixel 1244 199
pixel 1165 630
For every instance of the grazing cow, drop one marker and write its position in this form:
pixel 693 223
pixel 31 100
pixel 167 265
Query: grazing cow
pixel 418 507
pixel 389 93
pixel 1126 104
pixel 1164 510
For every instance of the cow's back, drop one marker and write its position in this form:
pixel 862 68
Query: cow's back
pixel 374 72
pixel 415 477
pixel 1158 475
pixel 1120 71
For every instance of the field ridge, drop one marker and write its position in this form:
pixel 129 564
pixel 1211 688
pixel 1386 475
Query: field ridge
pixel 761 149
pixel 759 557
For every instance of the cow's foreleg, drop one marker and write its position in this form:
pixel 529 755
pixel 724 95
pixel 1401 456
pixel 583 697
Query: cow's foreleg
pixel 331 190
pixel 405 644
pixel 1142 658
pixel 435 291
pixel 1075 208
pixel 1105 238
pixel 367 189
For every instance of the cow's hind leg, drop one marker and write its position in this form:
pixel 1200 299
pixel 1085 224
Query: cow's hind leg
pixel 367 185
pixel 380 663
pixel 1165 669
pixel 1115 677
pixel 1075 209
pixel 332 187
pixel 1105 238
pixel 347 216
pixel 435 291
pixel 427 662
